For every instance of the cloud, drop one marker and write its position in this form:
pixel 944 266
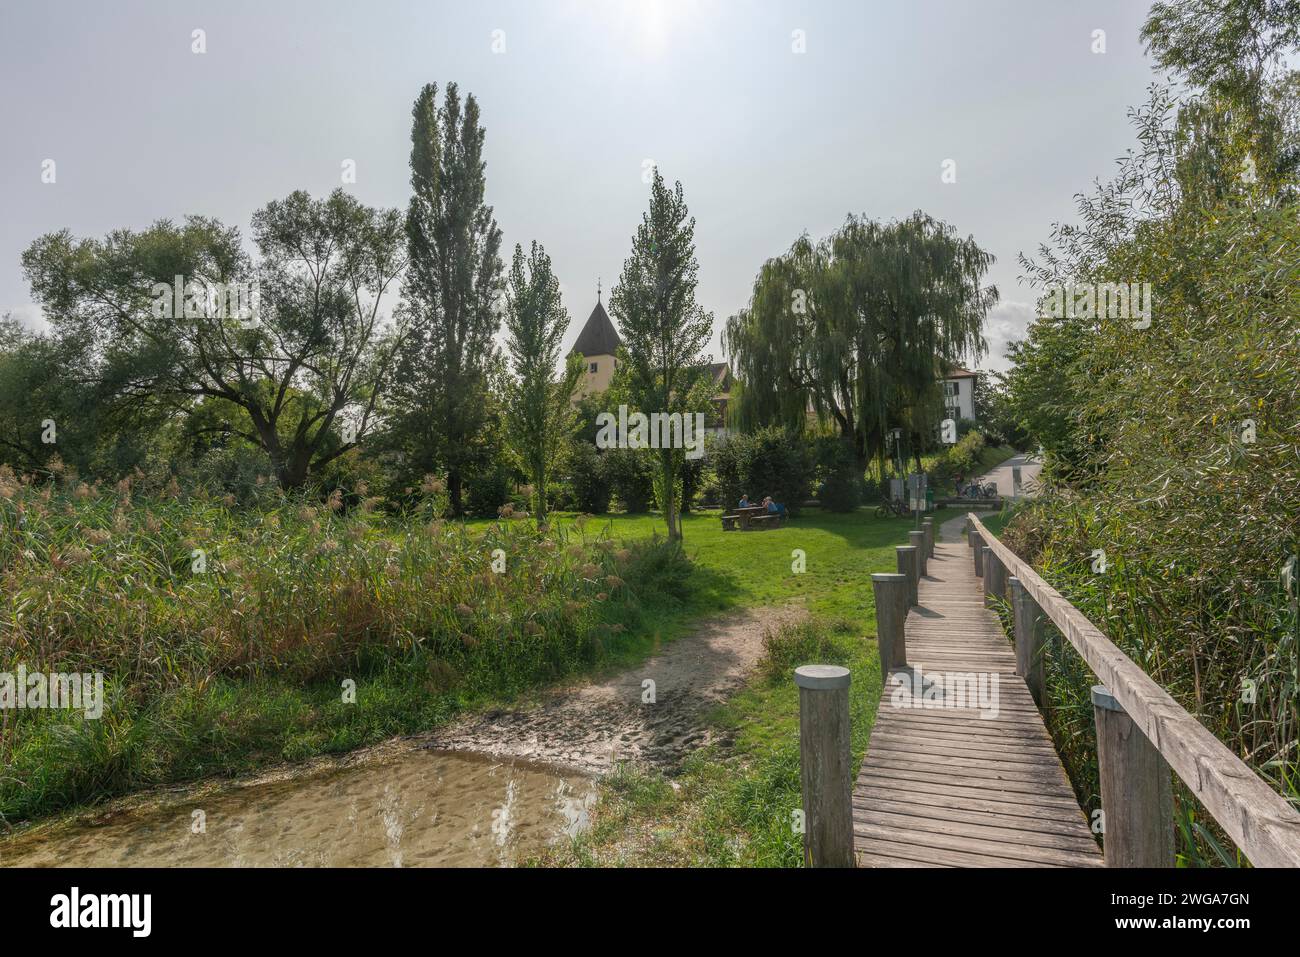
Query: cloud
pixel 1006 322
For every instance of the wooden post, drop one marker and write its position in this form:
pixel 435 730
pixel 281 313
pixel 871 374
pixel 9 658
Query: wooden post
pixel 918 540
pixel 907 565
pixel 825 765
pixel 892 594
pixel 977 541
pixel 994 577
pixel 928 527
pixel 1137 800
pixel 1029 639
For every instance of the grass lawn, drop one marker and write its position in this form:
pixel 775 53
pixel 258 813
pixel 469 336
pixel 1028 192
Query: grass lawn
pixel 755 568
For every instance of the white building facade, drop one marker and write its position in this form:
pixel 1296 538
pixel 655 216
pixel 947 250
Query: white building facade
pixel 959 394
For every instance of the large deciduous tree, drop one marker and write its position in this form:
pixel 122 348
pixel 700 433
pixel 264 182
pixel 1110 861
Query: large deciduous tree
pixel 539 409
pixel 861 328
pixel 664 329
pixel 309 364
pixel 452 293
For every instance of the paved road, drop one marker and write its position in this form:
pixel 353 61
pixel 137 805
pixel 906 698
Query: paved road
pixel 1030 466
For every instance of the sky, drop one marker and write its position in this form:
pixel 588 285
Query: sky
pixel 777 117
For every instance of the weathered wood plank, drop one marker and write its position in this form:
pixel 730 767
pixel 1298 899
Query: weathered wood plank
pixel 1005 854
pixel 940 786
pixel 980 812
pixel 965 825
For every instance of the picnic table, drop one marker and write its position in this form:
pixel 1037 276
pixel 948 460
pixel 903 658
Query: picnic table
pixel 750 518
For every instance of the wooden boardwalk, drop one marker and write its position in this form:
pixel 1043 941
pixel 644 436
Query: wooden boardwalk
pixel 944 786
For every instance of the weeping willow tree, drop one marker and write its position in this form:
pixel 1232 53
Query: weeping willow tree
pixel 859 329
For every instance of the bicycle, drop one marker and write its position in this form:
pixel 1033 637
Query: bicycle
pixel 892 507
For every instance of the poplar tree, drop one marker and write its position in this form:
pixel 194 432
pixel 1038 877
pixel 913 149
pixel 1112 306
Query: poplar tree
pixel 452 294
pixel 539 399
pixel 662 364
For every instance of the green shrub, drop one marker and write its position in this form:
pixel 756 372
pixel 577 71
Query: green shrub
pixel 488 490
pixel 560 497
pixel 771 461
pixel 631 478
pixel 589 479
pixel 963 458
pixel 240 469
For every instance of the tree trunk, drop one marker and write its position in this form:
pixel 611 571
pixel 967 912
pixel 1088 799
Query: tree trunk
pixel 539 495
pixel 454 492
pixel 670 497
pixel 293 475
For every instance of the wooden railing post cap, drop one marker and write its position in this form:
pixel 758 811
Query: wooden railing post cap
pixel 905 548
pixel 822 677
pixel 1102 698
pixel 889 576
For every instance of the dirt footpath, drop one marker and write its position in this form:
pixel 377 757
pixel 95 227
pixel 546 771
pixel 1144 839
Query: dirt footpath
pixel 593 726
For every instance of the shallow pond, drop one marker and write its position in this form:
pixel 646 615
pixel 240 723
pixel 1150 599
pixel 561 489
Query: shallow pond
pixel 417 808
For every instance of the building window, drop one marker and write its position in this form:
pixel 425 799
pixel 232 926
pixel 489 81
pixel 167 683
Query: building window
pixel 593 367
pixel 952 388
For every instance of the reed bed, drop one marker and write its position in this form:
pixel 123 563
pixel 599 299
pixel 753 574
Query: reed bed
pixel 228 634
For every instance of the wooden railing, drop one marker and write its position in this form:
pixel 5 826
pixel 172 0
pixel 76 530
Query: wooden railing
pixel 1137 804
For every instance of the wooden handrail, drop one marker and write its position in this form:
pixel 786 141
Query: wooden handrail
pixel 1259 820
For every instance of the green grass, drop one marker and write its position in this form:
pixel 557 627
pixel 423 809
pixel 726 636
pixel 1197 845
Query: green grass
pixel 751 569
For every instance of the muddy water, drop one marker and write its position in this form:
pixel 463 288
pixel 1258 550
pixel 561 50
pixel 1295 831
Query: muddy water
pixel 417 808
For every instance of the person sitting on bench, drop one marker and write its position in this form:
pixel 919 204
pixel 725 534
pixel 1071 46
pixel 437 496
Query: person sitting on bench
pixel 773 507
pixel 744 501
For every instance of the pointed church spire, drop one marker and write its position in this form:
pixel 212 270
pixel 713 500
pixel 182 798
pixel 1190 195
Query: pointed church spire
pixel 598 336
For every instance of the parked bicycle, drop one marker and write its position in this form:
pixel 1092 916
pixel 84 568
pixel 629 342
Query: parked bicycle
pixel 977 492
pixel 891 506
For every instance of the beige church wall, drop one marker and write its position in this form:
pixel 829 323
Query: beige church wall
pixel 599 380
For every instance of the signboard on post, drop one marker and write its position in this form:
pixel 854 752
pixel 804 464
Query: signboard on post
pixel 1015 481
pixel 916 484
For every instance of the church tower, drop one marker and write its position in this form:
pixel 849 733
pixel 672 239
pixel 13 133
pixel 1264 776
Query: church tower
pixel 598 343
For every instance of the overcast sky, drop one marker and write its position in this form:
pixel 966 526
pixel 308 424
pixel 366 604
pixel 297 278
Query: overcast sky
pixel 768 142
